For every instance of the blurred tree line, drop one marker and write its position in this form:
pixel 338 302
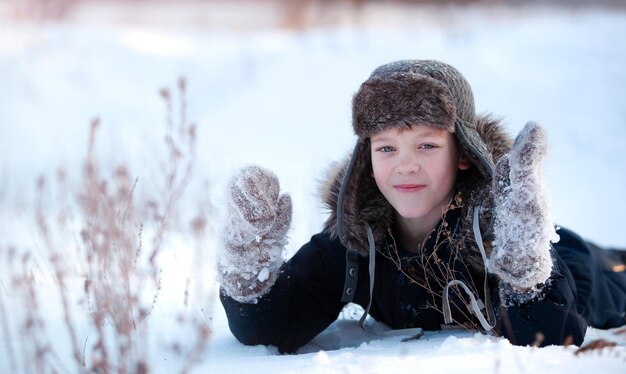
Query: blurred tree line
pixel 295 12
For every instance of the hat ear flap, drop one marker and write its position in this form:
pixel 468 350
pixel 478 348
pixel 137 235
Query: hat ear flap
pixel 363 202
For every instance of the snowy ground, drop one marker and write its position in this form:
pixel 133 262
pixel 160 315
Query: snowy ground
pixel 282 99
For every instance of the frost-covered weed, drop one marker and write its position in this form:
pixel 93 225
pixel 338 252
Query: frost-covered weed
pixel 103 243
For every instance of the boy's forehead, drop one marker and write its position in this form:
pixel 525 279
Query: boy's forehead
pixel 416 130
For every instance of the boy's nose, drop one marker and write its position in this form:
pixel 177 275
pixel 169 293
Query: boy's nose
pixel 407 164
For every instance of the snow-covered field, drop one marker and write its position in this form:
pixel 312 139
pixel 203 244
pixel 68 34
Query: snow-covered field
pixel 282 99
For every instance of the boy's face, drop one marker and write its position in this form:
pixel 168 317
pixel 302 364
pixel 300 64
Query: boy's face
pixel 416 169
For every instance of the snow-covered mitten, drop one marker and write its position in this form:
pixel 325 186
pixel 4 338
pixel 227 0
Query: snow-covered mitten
pixel 255 234
pixel 523 225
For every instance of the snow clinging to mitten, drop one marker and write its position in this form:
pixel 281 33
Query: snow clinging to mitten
pixel 254 234
pixel 523 226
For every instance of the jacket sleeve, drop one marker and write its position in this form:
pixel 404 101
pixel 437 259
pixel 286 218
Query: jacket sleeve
pixel 600 291
pixel 550 319
pixel 305 299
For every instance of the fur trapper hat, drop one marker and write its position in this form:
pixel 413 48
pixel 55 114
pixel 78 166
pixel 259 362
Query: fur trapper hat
pixel 398 95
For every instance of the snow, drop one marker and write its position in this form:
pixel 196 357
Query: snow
pixel 281 99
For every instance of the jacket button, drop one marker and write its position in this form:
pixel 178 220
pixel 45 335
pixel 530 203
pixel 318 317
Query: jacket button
pixel 352 272
pixel 349 291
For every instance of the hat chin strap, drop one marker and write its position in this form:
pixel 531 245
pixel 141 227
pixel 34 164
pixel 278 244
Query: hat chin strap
pixel 352 261
pixel 371 267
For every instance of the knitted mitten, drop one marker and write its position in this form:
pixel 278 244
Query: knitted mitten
pixel 255 234
pixel 523 225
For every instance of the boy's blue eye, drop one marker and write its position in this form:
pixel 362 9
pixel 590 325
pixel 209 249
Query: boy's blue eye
pixel 427 146
pixel 386 149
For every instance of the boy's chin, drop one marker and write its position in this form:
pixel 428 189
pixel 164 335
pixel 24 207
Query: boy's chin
pixel 417 215
pixel 410 216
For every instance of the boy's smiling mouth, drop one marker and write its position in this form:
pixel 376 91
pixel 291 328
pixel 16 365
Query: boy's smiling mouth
pixel 409 187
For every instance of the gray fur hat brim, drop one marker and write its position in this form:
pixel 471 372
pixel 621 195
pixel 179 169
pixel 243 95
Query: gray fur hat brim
pixel 399 101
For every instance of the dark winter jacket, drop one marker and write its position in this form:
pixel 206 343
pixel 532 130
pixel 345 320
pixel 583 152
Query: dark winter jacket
pixel 307 298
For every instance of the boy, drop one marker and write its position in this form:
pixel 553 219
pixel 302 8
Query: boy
pixel 436 218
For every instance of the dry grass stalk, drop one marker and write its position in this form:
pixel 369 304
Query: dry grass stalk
pixel 120 282
pixel 595 345
pixel 620 332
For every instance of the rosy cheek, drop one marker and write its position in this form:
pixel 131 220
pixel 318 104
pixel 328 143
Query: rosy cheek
pixel 379 176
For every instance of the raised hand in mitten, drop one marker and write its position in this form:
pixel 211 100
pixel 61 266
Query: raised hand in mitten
pixel 523 226
pixel 255 234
